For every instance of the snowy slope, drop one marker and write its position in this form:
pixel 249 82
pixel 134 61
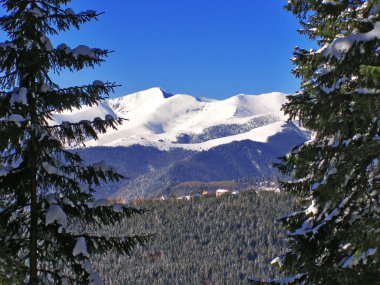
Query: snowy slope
pixel 165 121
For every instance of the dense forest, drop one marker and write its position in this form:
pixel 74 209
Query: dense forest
pixel 203 241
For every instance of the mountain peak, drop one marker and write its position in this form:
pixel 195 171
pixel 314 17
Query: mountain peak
pixel 157 91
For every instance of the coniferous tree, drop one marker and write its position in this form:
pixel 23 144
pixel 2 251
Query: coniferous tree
pixel 44 187
pixel 334 238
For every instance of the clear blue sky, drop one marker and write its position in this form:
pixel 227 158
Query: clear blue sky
pixel 206 48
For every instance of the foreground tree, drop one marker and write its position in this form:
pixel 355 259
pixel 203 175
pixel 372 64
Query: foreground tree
pixel 44 188
pixel 334 238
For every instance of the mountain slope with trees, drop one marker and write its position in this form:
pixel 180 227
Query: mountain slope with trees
pixel 202 241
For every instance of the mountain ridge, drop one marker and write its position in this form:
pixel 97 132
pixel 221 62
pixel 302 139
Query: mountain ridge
pixel 171 139
pixel 158 118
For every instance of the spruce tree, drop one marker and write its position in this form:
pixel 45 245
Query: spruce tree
pixel 334 237
pixel 45 189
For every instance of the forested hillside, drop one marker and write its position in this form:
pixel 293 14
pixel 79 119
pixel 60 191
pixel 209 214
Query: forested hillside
pixel 204 241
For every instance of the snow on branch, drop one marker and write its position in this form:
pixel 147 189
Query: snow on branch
pixel 308 225
pixel 4 170
pixel 357 258
pixel 50 169
pixel 17 119
pixel 82 50
pixel 56 214
pixel 78 132
pixel 329 2
pixel 81 248
pixel 94 279
pixel 340 46
pixel 19 96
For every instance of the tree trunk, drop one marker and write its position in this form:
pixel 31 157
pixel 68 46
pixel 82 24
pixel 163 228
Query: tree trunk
pixel 33 233
pixel 33 149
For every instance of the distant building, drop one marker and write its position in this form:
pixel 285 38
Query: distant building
pixel 121 201
pixel 221 192
pixel 184 198
pixel 163 198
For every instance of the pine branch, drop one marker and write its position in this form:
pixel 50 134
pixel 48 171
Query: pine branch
pixel 77 133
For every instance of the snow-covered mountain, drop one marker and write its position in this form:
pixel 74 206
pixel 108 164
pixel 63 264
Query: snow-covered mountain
pixel 162 120
pixel 168 140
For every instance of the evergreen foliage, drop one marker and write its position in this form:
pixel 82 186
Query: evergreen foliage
pixel 206 240
pixel 44 188
pixel 334 238
pixel 371 73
